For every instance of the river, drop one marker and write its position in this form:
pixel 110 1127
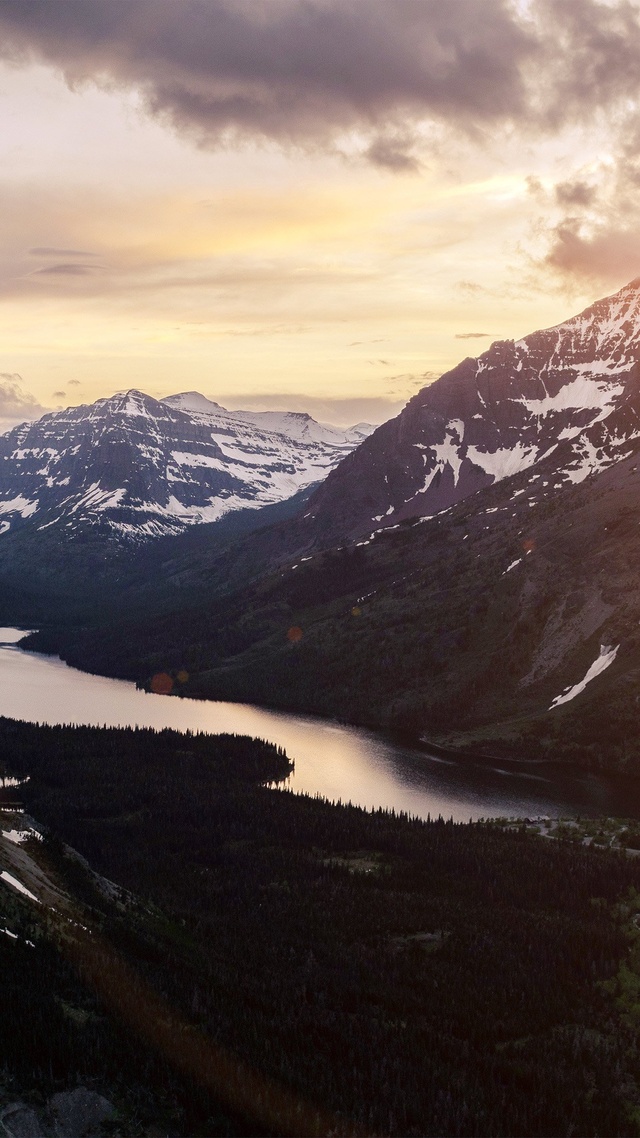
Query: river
pixel 345 764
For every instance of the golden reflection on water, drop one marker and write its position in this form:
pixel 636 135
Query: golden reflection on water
pixel 340 763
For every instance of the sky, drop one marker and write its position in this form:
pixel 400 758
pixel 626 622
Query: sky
pixel 318 205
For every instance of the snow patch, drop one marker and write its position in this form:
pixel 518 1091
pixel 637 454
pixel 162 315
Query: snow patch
pixel 19 505
pixel 580 393
pixel 446 453
pixel 606 657
pixel 13 881
pixel 505 461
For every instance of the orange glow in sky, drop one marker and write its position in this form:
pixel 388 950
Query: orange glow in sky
pixel 369 221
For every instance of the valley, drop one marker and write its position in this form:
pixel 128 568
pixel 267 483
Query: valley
pixel 369 769
pixel 319 585
pixel 470 621
pixel 436 663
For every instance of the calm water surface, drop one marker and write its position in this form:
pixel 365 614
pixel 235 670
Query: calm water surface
pixel 340 763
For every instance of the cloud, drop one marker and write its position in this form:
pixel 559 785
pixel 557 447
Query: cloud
pixel 590 57
pixel 610 253
pixel 394 154
pixel 65 270
pixel 321 72
pixel 74 383
pixel 575 193
pixel 470 288
pixel 59 394
pixel 16 404
pixel 471 335
pixel 596 238
pixel 300 72
pixel 49 251
pixel 342 411
pixel 378 340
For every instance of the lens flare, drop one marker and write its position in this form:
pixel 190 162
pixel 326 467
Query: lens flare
pixel 161 683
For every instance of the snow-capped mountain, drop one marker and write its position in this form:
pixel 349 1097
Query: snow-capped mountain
pixel 137 467
pixel 563 403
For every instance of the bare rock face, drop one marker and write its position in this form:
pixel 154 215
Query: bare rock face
pixel 79 1113
pixel 133 468
pixel 562 403
pixel 20 1121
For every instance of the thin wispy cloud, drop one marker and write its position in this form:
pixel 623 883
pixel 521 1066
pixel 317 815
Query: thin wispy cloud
pixel 50 251
pixel 71 269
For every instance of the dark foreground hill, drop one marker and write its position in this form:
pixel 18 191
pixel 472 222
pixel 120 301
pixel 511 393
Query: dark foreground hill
pixel 233 959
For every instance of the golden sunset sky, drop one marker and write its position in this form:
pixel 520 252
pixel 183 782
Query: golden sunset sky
pixel 315 205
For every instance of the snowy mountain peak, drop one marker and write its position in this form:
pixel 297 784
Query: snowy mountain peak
pixel 562 403
pixel 192 401
pixel 138 467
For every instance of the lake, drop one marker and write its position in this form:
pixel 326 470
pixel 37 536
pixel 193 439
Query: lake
pixel 345 764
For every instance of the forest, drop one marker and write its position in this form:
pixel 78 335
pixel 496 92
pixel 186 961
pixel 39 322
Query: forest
pixel 273 964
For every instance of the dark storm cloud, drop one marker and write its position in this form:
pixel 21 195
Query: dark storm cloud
pixel 303 71
pixel 592 50
pixel 350 74
pixel 298 71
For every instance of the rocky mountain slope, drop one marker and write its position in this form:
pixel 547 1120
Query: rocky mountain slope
pixel 508 619
pixel 503 625
pixel 569 394
pixel 132 467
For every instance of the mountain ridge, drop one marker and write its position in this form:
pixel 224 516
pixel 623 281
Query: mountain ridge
pixel 133 467
pixel 572 390
pixel 505 618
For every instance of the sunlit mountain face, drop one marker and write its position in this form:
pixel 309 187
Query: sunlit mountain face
pixel 133 467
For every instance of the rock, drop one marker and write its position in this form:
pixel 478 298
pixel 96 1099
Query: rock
pixel 79 1113
pixel 20 1121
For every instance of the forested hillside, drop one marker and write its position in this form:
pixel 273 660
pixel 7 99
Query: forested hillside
pixel 362 973
pixel 465 628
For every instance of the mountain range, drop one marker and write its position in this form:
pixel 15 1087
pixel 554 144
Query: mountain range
pixel 562 404
pixel 467 574
pixel 134 468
